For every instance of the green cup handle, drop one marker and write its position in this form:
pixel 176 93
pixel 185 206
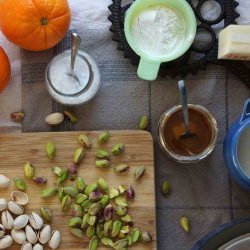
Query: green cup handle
pixel 148 70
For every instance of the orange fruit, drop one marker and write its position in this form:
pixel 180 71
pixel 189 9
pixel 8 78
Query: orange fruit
pixel 34 24
pixel 4 69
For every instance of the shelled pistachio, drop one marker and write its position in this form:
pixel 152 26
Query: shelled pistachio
pixel 90 188
pixel 66 202
pixel 79 155
pixel 118 149
pixel 50 149
pixel 143 124
pixel 102 184
pixel 84 141
pixel 120 168
pixel 48 192
pixel 102 163
pixel 20 183
pixel 102 154
pixel 185 224
pixel 103 137
pixel 29 170
pixel 165 189
pixel 139 172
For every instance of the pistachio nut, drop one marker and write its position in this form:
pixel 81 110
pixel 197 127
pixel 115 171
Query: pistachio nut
pixel 76 211
pixel 3 204
pixel 20 183
pixel 76 232
pixel 93 244
pixel 71 191
pixel 79 155
pixel 17 116
pixel 86 205
pixel 118 149
pixel 102 184
pixel 18 236
pixel 40 180
pixel 113 193
pixel 85 221
pixel 44 234
pixel 99 230
pixel 95 196
pixel 4 181
pixel 130 240
pixel 120 168
pixel 102 163
pixel 90 231
pixel 54 118
pixel 135 235
pixel 80 184
pixel 84 141
pixel 46 214
pixel 71 116
pixel 122 189
pixel 7 219
pixel 26 246
pixel 57 170
pixel 20 197
pixel 64 175
pixel 102 154
pixel 31 234
pixel 126 218
pixel 75 222
pixel 139 172
pixel 35 221
pixel 103 137
pixel 92 220
pixel 55 239
pixel 124 231
pixel 100 216
pixel 120 211
pixel 130 192
pixel 143 124
pixel 165 188
pixel 48 192
pixel 107 227
pixel 15 208
pixel 184 221
pixel 80 198
pixel 72 171
pixel 38 246
pixel 20 221
pixel 116 228
pixel 146 236
pixel 61 194
pixel 107 242
pixel 2 230
pixel 66 202
pixel 90 188
pixel 120 244
pixel 50 149
pixel 120 201
pixel 6 241
pixel 29 170
pixel 108 212
pixel 94 208
pixel 104 201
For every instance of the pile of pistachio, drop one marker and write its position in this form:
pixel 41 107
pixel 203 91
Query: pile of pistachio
pixel 27 230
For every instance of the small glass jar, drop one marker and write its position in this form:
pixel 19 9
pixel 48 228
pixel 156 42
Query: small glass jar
pixel 191 158
pixel 72 88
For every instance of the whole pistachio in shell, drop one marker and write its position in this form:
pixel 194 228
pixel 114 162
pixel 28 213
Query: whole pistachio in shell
pixel 31 234
pixel 3 204
pixel 15 208
pixel 6 241
pixel 35 221
pixel 26 246
pixel 7 219
pixel 55 239
pixel 38 247
pixel 18 236
pixel 20 221
pixel 4 181
pixel 2 230
pixel 44 234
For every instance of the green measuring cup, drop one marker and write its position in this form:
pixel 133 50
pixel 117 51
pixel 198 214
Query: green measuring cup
pixel 150 62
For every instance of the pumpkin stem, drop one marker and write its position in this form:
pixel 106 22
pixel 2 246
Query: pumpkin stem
pixel 44 21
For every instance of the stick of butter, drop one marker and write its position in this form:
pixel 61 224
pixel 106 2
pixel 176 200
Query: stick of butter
pixel 234 43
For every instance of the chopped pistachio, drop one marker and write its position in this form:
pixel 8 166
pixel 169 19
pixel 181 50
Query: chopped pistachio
pixel 103 137
pixel 63 177
pixel 86 205
pixel 117 149
pixel 95 196
pixel 130 192
pixel 61 194
pixel 17 116
pixel 122 189
pixel 40 180
pixel 130 240
pixel 99 230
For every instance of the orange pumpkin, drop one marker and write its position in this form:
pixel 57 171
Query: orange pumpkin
pixel 34 24
pixel 4 70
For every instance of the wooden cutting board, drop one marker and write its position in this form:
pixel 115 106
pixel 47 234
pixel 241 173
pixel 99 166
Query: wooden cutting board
pixel 16 149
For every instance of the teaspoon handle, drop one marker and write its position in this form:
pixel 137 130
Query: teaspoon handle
pixel 75 44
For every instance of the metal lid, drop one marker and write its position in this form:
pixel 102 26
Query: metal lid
pixel 72 88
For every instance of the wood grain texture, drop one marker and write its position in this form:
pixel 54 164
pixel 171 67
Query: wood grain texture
pixel 16 149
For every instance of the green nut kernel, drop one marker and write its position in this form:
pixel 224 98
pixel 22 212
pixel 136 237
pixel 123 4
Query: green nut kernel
pixel 79 155
pixel 120 168
pixel 116 228
pixel 102 184
pixel 120 201
pixel 71 191
pixel 93 244
pixel 124 231
pixel 84 141
pixel 76 211
pixel 143 124
pixel 46 214
pixel 113 193
pixel 20 183
pixel 75 222
pixel 63 177
pixel 57 170
pixel 122 189
pixel 139 172
pixel 90 188
pixel 103 137
pixel 146 237
pixel 104 201
pixel 107 227
pixel 29 170
pixel 99 230
pixel 126 218
pixel 61 194
pixel 50 150
pixel 86 205
pixel 48 192
pixel 184 221
pixel 77 232
pixel 107 242
pixel 90 231
pixel 135 235
pixel 80 184
pixel 92 220
pixel 85 221
pixel 166 189
pixel 102 154
pixel 120 211
pixel 94 208
pixel 118 149
pixel 102 163
pixel 80 198
pixel 130 240
pixel 66 202
pixel 120 244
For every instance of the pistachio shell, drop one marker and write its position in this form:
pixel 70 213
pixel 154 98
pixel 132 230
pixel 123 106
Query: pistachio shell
pixel 26 246
pixel 3 204
pixel 20 221
pixel 31 234
pixel 7 219
pixel 38 247
pixel 15 208
pixel 54 118
pixel 20 197
pixel 18 236
pixel 4 181
pixel 55 239
pixel 35 220
pixel 6 241
pixel 2 230
pixel 44 234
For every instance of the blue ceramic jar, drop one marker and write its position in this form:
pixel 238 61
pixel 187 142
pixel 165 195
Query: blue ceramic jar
pixel 237 148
